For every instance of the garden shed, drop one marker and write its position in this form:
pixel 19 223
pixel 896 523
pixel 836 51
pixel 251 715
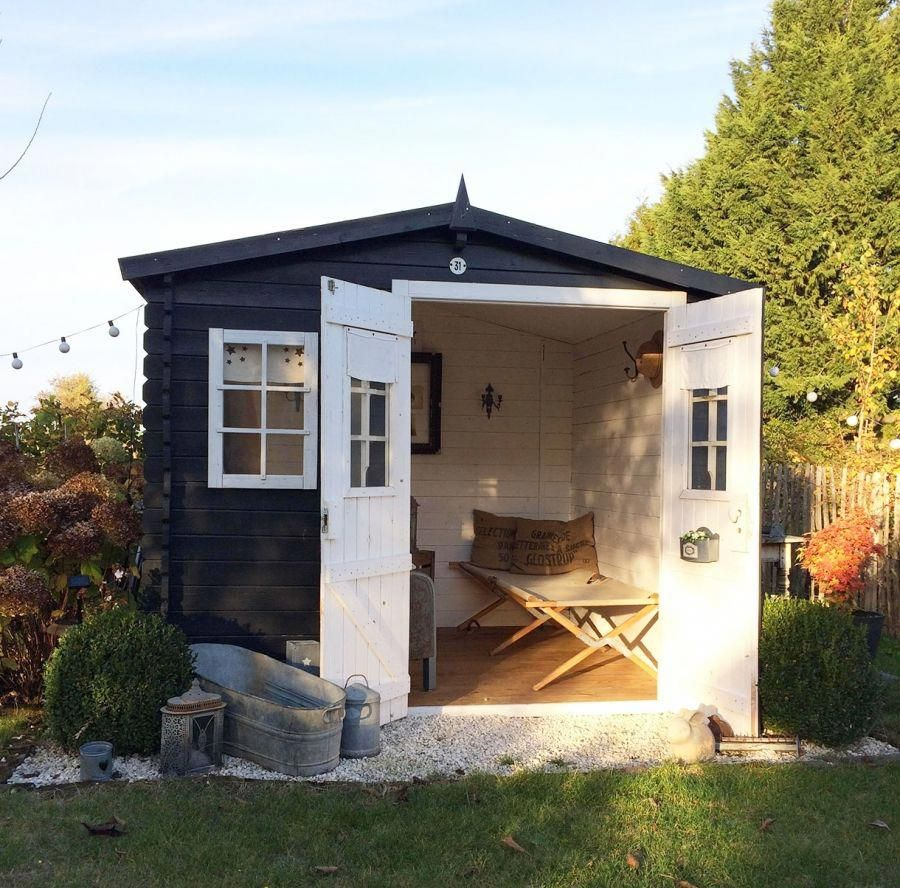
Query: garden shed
pixel 304 387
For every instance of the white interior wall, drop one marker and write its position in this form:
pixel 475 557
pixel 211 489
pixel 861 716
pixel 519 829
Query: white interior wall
pixel 519 462
pixel 617 442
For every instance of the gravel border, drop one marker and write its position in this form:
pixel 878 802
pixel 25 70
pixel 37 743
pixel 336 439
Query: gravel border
pixel 440 747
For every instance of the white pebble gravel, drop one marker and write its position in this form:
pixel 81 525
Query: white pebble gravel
pixel 427 747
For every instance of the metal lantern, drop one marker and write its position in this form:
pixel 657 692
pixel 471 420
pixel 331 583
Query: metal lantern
pixel 192 726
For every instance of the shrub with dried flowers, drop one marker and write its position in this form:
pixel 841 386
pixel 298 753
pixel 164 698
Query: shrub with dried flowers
pixel 836 556
pixel 59 517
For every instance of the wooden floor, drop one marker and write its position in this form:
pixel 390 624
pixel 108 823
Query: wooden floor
pixel 467 674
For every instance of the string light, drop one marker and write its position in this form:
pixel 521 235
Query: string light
pixel 853 421
pixel 774 370
pixel 63 341
pixel 812 396
pixel 894 444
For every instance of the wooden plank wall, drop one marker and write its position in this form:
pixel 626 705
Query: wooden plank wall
pixel 516 463
pixel 616 453
pixel 235 566
pixel 806 498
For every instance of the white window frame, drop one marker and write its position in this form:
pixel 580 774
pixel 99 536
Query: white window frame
pixel 217 386
pixel 366 437
pixel 711 445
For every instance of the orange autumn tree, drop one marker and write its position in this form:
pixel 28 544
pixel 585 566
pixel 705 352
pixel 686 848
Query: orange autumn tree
pixel 837 555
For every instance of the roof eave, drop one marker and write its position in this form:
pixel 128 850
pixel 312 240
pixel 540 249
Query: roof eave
pixel 281 242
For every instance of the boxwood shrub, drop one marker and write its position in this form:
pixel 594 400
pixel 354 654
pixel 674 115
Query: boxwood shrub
pixel 816 678
pixel 109 677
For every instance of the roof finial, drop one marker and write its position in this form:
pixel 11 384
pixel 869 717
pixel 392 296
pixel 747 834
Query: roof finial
pixel 462 220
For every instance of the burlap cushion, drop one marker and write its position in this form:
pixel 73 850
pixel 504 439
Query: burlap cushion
pixel 554 547
pixel 495 536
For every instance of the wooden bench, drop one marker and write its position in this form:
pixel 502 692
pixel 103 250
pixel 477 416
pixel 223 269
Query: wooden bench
pixel 575 601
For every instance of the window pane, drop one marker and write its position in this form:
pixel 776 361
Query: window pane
pixel 355 383
pixel 700 421
pixel 285 365
pixel 284 410
pixel 380 386
pixel 377 415
pixel 356 463
pixel 720 468
pixel 700 479
pixel 722 421
pixel 284 454
pixel 356 402
pixel 240 454
pixel 376 476
pixel 242 364
pixel 241 410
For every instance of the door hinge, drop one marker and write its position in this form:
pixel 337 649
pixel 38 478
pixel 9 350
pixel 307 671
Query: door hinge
pixel 332 286
pixel 324 522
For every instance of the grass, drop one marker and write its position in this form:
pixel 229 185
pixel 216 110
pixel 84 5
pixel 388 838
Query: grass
pixel 701 824
pixel 888 660
pixel 14 723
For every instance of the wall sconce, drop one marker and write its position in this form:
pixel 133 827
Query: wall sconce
pixel 649 360
pixel 490 401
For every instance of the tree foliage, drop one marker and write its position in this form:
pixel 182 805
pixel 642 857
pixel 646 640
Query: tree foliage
pixel 800 179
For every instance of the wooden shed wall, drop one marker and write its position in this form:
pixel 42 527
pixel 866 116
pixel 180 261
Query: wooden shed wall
pixel 242 566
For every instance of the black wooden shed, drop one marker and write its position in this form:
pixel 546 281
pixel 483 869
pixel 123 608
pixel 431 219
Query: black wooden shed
pixel 246 556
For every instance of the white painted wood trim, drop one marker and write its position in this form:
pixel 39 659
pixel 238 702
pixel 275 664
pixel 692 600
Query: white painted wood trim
pixel 369 567
pixel 741 326
pixel 216 478
pixel 532 710
pixel 515 294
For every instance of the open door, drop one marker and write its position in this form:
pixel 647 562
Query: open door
pixel 710 612
pixel 365 441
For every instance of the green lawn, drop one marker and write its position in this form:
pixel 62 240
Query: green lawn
pixel 888 660
pixel 700 824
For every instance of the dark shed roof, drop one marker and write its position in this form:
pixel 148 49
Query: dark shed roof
pixel 459 216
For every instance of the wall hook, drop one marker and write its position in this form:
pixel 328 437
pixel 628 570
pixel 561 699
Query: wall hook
pixel 648 362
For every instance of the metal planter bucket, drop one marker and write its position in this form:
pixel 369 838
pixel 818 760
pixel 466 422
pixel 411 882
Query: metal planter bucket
pixel 95 760
pixel 361 734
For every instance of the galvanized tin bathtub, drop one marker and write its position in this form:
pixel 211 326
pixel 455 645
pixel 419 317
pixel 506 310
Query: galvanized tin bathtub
pixel 278 716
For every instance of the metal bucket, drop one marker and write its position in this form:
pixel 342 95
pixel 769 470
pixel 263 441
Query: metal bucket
pixel 95 760
pixel 361 734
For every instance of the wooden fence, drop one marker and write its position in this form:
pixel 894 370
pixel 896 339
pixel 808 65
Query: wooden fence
pixel 804 498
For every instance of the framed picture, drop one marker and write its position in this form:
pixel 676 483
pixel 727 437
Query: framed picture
pixel 425 412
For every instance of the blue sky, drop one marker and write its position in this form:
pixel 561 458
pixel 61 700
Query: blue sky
pixel 174 123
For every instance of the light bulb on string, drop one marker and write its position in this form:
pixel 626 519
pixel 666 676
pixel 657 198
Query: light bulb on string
pixel 63 345
pixel 812 396
pixel 894 444
pixel 853 421
pixel 113 330
pixel 16 363
pixel 774 370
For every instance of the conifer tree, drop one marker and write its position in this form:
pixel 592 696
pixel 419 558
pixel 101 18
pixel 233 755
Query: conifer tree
pixel 800 176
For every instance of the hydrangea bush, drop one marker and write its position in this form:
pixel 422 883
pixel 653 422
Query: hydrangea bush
pixel 60 515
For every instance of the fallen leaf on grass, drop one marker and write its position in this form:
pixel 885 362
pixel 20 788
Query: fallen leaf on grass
pixel 112 828
pixel 634 860
pixel 326 870
pixel 510 842
pixel 880 824
pixel 766 825
pixel 683 883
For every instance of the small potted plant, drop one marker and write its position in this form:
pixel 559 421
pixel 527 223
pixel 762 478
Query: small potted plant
pixel 700 545
pixel 836 558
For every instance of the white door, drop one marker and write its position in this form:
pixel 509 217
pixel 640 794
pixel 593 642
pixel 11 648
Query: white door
pixel 710 612
pixel 365 440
